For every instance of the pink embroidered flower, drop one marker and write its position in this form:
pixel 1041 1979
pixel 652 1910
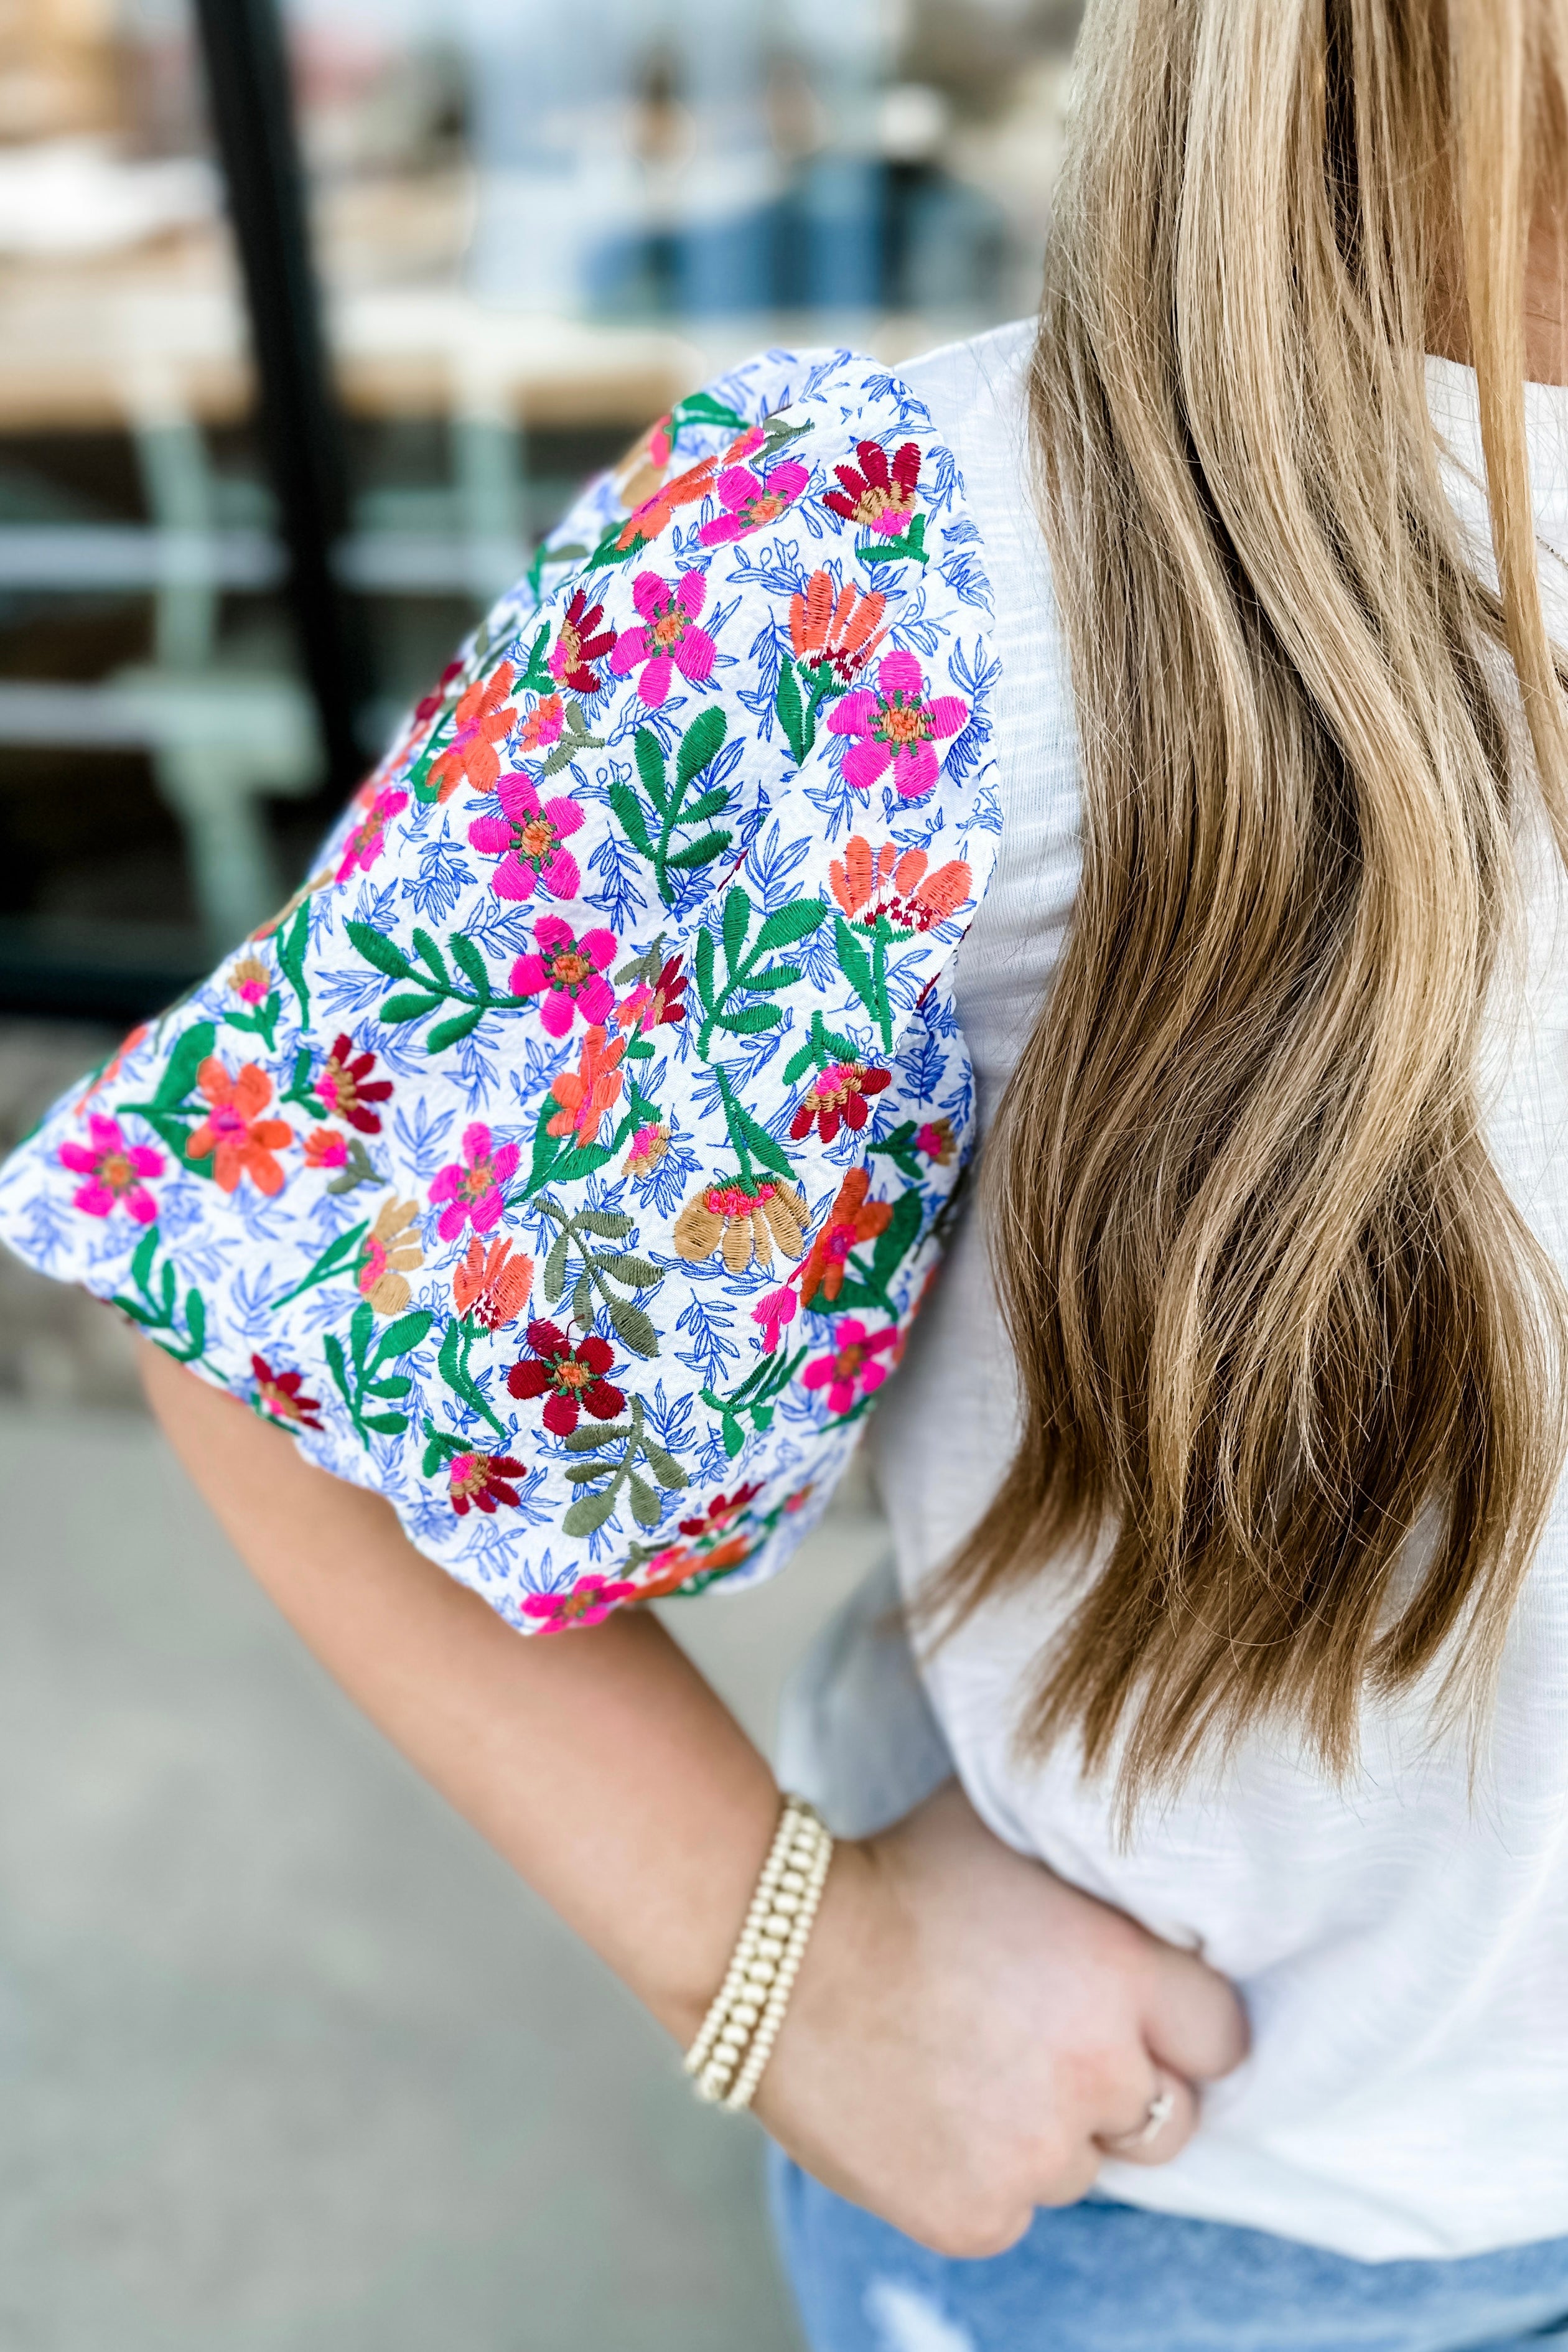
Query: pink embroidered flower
pixel 854 1363
pixel 579 643
pixel 115 1172
pixel 897 725
pixel 471 1189
pixel 589 1602
pixel 938 1141
pixel 527 837
pixel 541 730
pixel 480 1481
pixel 774 1312
pixel 669 639
pixel 569 973
pixel 368 839
pixel 752 500
pixel 877 494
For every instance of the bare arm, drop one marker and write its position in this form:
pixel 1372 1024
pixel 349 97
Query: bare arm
pixel 967 2031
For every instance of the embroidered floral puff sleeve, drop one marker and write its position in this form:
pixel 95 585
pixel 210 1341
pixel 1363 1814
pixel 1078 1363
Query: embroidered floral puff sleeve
pixel 568 1159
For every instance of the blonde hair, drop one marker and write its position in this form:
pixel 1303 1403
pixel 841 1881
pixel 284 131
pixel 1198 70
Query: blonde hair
pixel 1272 1303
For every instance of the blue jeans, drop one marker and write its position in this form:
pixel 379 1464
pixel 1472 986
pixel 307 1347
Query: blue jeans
pixel 1102 2277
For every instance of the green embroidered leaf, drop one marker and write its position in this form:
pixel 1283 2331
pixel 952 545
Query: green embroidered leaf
pixel 855 964
pixel 629 814
pixel 706 805
pixel 650 768
pixel 645 1503
pixel 798 1064
pixel 291 946
pixel 745 1129
pixel 799 731
pixel 773 975
pixel 704 963
pixel 699 853
pixel 751 1019
pixel 638 1273
pixel 610 1224
pixel 408 1008
pixel 380 952
pixel 588 1512
pixel 699 744
pixel 180 1071
pixel 737 921
pixel 789 924
pixel 631 1327
pixel 452 1032
pixel 386 1424
pixel 665 1466
pixel 401 1338
pixel 425 948
pixel 471 962
pixel 554 1275
pixel 397 1385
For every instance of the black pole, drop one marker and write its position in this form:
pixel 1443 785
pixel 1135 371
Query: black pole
pixel 253 124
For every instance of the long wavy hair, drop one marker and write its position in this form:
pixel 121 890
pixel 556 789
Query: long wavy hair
pixel 1271 1304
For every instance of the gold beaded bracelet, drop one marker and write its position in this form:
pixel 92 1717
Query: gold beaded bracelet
pixel 739 2032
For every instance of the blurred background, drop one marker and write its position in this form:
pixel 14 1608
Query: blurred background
pixel 312 316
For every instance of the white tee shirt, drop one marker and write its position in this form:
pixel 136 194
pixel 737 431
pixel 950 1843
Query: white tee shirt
pixel 1401 1941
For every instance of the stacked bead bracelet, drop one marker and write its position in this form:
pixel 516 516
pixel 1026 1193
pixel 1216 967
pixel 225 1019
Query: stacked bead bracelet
pixel 739 2032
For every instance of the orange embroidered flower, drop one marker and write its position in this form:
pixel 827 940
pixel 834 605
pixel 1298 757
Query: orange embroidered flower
pixel 895 887
pixel 851 1219
pixel 389 1256
pixel 836 627
pixel 586 1093
pixel 483 718
pixel 240 1141
pixel 491 1285
pixel 743 1222
pixel 646 522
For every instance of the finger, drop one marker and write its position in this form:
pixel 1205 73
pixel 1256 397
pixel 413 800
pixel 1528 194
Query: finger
pixel 1168 2121
pixel 1193 2020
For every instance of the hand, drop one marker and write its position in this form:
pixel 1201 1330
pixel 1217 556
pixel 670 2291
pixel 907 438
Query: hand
pixel 970 2035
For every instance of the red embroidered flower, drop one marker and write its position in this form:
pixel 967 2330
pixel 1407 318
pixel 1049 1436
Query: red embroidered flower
pixel 278 1393
pixel 590 1600
pixel 577 648
pixel 570 1378
pixel 480 1481
pixel 240 1141
pixel 344 1087
pixel 854 1364
pixel 720 1511
pixel 879 497
pixel 838 1096
pixel 851 1219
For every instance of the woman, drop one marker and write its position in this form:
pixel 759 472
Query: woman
pixel 1225 1461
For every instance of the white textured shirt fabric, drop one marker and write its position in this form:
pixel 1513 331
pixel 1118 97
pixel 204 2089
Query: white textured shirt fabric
pixel 1401 1941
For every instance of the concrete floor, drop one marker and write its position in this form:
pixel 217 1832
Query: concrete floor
pixel 288 2061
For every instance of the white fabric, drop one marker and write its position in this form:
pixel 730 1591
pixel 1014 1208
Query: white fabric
pixel 1401 1943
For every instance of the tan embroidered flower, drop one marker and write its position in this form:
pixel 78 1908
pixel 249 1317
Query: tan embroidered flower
pixel 743 1222
pixel 391 1252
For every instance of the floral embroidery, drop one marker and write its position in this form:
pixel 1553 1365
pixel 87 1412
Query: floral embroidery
pixel 589 1602
pixel 344 1088
pixel 840 1093
pixel 490 1285
pixel 483 718
pixel 579 643
pixel 234 1134
pixel 528 837
pixel 855 1365
pixel 883 886
pixel 368 839
pixel 480 1481
pixel 570 1380
pixel 391 1252
pixel 752 500
pixel 898 727
pixel 280 1396
pixel 115 1170
pixel 469 1190
pixel 590 1092
pixel 678 1077
pixel 851 1220
pixel 741 1223
pixel 875 494
pixel 568 972
pixel 669 639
